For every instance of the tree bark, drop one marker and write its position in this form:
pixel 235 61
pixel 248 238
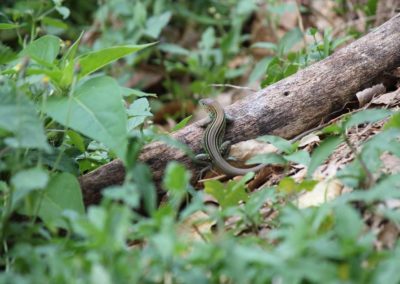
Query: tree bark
pixel 285 108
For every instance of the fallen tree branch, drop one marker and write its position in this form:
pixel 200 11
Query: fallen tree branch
pixel 286 108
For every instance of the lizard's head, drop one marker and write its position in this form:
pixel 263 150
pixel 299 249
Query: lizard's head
pixel 211 106
pixel 207 104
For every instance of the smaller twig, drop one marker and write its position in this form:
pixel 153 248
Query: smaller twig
pixel 370 178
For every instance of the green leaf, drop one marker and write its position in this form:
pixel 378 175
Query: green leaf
pixel 348 224
pixel 176 177
pixel 64 11
pixel 323 151
pixel 259 69
pixel 289 40
pixel 68 64
pixel 71 53
pixel 56 23
pixel 7 26
pixel 173 49
pixel 267 159
pixel 307 185
pixel 6 54
pixel 139 13
pixel 138 111
pixel 76 140
pixel 176 181
pixel 95 60
pixel 300 157
pixel 95 110
pixel 287 185
pixel 127 193
pixel 265 45
pixel 142 177
pixel 155 24
pixel 387 271
pixel 27 181
pixel 231 194
pixel 282 8
pixel 394 121
pixel 44 50
pixel 182 123
pixel 62 193
pixel 280 143
pixel 18 116
pixel 127 92
pixel 367 116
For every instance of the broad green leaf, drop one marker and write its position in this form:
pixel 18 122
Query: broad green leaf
pixel 265 45
pixel 176 178
pixel 332 129
pixel 55 23
pixel 259 69
pixel 142 177
pixel 76 140
pixel 267 159
pixel 289 40
pixel 64 11
pixel 95 60
pixel 207 39
pixel 127 92
pixel 127 193
pixel 307 185
pixel 367 116
pixel 68 64
pixel 60 161
pixel 394 121
pixel 44 50
pixel 27 181
pixel 287 185
pixel 7 26
pixel 95 110
pixel 387 271
pixel 71 53
pixel 155 24
pixel 182 123
pixel 139 13
pixel 386 189
pixel 323 151
pixel 173 49
pixel 282 8
pixel 300 157
pixel 280 143
pixel 176 181
pixel 138 111
pixel 228 195
pixel 6 54
pixel 55 74
pixel 18 116
pixel 348 224
pixel 62 193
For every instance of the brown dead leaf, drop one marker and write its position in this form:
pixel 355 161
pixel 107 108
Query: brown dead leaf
pixel 309 139
pixel 196 226
pixel 388 99
pixel 366 95
pixel 324 191
pixel 244 150
pixel 391 163
pixel 387 236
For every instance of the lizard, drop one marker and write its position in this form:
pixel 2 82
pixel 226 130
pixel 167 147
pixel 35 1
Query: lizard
pixel 212 141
